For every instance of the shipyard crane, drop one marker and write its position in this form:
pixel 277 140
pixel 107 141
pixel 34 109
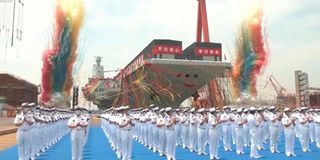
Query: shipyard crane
pixel 276 85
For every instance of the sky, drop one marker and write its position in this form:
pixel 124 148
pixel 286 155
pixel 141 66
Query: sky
pixel 118 30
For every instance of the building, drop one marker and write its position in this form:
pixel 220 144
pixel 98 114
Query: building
pixel 302 88
pixel 15 90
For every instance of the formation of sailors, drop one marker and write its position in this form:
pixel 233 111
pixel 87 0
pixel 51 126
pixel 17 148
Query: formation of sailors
pixel 162 130
pixel 39 128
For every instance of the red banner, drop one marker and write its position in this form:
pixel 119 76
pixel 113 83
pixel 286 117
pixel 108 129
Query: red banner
pixel 200 51
pixel 167 49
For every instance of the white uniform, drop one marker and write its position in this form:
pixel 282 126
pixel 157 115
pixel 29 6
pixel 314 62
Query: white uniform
pixel 162 135
pixel 170 138
pixel 184 130
pixel 226 130
pixel 246 135
pixel 274 132
pixel 23 138
pixel 77 135
pixel 253 135
pixel 304 128
pixel 317 128
pixel 155 132
pixel 193 132
pixel 126 137
pixel 201 134
pixel 311 128
pixel 289 134
pixel 239 133
pixel 213 136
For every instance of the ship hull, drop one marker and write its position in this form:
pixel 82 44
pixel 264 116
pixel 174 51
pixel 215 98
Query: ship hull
pixel 168 82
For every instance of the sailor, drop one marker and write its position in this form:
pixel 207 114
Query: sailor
pixel 239 122
pixel 126 124
pixel 24 123
pixel 184 128
pixel 155 130
pixel 311 125
pixel 246 135
pixel 253 123
pixel 162 132
pixel 260 129
pixel 149 128
pixel 317 126
pixel 226 128
pixel 170 135
pixel 274 119
pixel 33 130
pixel 288 122
pixel 266 124
pixel 78 125
pixel 37 130
pixel 213 122
pixel 304 128
pixel 193 130
pixel 233 124
pixel 202 124
pixel 178 126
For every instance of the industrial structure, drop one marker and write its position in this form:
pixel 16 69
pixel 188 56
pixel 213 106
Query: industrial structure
pixel 14 91
pixel 306 95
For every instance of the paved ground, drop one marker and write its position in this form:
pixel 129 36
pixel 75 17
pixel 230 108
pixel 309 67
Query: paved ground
pixel 7 140
pixel 98 148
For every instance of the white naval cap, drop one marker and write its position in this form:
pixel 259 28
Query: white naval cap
pixel 25 104
pixel 192 109
pixel 245 110
pixel 286 109
pixel 168 109
pixel 212 109
pixel 226 107
pixel 252 109
pixel 162 110
pixel 125 107
pixel 155 109
pixel 201 110
pixel 32 104
pixel 239 110
pixel 272 107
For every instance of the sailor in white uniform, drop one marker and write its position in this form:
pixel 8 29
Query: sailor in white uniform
pixel 170 135
pixel 253 123
pixel 126 124
pixel 24 124
pixel 246 135
pixel 184 128
pixel 213 122
pixel 317 126
pixel 239 122
pixel 304 128
pixel 274 119
pixel 77 124
pixel 202 124
pixel 226 128
pixel 193 130
pixel 162 132
pixel 155 130
pixel 288 122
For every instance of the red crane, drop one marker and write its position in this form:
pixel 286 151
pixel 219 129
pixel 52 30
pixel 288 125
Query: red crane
pixel 202 26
